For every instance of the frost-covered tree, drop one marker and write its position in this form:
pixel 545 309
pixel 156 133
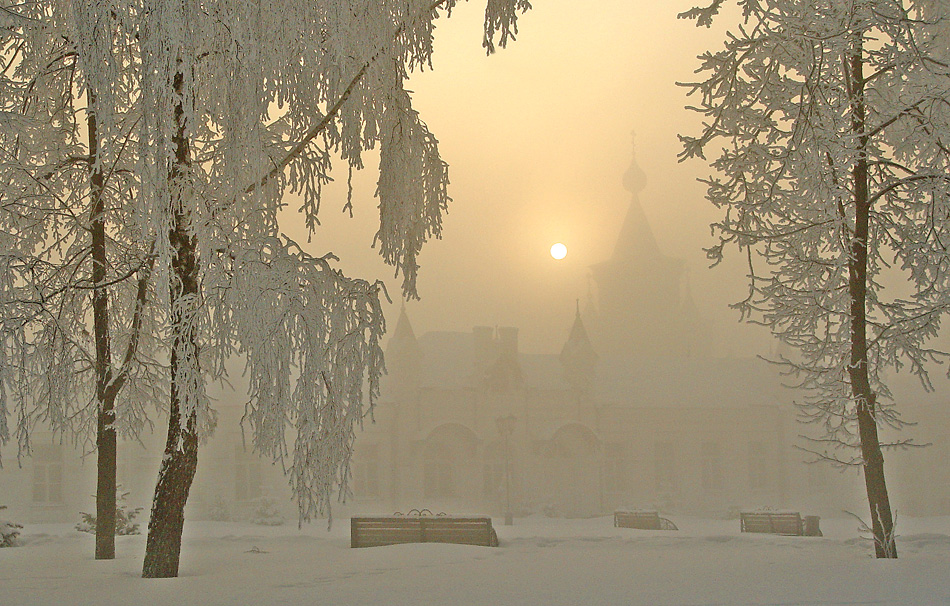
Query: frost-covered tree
pixel 75 279
pixel 231 105
pixel 275 89
pixel 227 106
pixel 830 121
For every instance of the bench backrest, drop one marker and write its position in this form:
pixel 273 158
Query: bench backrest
pixel 772 522
pixel 644 520
pixel 372 531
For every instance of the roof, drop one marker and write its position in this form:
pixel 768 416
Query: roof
pixel 722 382
pixel 448 363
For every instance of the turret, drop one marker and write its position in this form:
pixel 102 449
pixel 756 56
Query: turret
pixel 496 358
pixel 578 358
pixel 639 306
pixel 403 359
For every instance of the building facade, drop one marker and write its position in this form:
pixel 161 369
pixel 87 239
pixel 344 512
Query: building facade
pixel 635 411
pixel 467 423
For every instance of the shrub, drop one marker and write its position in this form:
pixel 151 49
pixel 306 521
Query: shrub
pixel 219 510
pixel 9 532
pixel 266 514
pixel 124 524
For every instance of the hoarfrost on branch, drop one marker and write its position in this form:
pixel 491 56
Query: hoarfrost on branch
pixel 265 95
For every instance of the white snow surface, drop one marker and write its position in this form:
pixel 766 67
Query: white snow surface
pixel 540 561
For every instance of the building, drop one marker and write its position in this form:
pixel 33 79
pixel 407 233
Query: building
pixel 635 412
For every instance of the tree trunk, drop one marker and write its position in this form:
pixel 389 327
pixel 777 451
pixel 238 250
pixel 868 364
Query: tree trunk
pixel 882 523
pixel 106 484
pixel 163 546
pixel 105 425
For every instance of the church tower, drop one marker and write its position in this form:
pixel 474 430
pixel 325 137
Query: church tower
pixel 642 302
pixel 578 359
pixel 403 360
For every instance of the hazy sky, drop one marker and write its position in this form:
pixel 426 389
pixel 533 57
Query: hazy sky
pixel 537 137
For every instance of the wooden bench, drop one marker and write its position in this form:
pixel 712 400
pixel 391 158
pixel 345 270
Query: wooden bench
pixel 373 531
pixel 788 523
pixel 644 520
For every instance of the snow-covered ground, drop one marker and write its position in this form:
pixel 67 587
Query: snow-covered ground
pixel 541 561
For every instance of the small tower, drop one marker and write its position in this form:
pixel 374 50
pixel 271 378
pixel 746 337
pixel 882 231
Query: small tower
pixel 578 359
pixel 403 359
pixel 502 371
pixel 638 289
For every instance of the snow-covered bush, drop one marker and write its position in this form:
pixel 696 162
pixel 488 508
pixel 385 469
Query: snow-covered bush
pixel 219 510
pixel 124 524
pixel 266 514
pixel 9 532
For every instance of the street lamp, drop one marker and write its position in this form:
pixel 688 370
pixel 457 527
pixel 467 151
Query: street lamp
pixel 506 426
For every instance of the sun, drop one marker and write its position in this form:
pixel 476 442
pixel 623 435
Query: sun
pixel 559 251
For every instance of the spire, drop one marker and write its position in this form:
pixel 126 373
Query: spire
pixel 634 180
pixel 636 241
pixel 403 356
pixel 638 288
pixel 578 358
pixel 403 327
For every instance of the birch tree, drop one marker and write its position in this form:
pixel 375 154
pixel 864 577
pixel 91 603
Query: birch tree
pixel 229 106
pixel 830 122
pixel 67 184
pixel 238 103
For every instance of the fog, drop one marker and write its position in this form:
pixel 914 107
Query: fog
pixel 519 386
pixel 538 137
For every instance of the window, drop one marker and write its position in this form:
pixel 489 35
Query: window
pixel 758 466
pixel 247 474
pixel 712 466
pixel 366 472
pixel 665 467
pixel 48 474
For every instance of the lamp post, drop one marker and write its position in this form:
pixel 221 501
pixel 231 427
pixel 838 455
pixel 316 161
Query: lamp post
pixel 506 426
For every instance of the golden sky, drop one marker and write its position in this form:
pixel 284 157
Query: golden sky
pixel 537 137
